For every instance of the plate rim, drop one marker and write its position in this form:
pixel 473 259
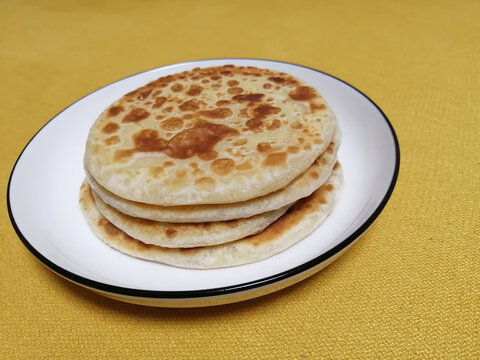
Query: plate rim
pixel 223 290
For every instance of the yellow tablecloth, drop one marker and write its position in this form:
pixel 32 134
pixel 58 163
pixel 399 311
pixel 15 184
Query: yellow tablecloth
pixel 408 289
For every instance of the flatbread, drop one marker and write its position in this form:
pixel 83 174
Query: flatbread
pixel 209 136
pixel 169 234
pixel 297 223
pixel 300 187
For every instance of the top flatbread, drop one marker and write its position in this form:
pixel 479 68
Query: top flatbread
pixel 209 136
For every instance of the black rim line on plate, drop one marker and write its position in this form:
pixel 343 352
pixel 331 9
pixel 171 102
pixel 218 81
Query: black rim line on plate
pixel 185 294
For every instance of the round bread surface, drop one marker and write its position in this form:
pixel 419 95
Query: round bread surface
pixel 209 136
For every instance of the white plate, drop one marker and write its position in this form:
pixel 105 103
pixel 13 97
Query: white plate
pixel 44 185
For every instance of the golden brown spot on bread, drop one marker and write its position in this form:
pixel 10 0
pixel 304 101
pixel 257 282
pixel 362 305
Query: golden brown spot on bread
pixel 222 166
pixel 240 142
pixel 136 115
pixel 218 113
pixel 165 80
pixel 329 149
pixel 205 183
pixel 108 227
pixel 144 94
pixel 110 128
pixel 277 79
pixel 235 90
pixel 168 109
pixel 222 102
pixel 314 106
pixel 168 163
pixel 232 83
pixel 263 146
pixel 112 140
pixel 293 149
pixel 267 86
pixel 198 140
pixel 301 140
pixel 87 196
pixel 275 159
pixel 314 175
pixel 208 155
pixel 190 105
pixel 317 141
pixel 138 245
pixel 176 87
pixel 232 223
pixel 248 97
pixel 159 101
pixel 171 124
pixel 254 123
pixel 147 140
pixel 180 175
pixel 296 125
pixel 303 93
pixel 336 166
pixel 275 124
pixel 262 111
pixel 171 233
pixel 123 154
pixel 247 165
pixel 155 171
pixel 190 251
pixel 131 93
pixel 115 110
pixel 243 113
pixel 328 187
pixel 194 90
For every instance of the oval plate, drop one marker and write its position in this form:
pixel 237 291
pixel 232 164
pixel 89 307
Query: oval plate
pixel 43 201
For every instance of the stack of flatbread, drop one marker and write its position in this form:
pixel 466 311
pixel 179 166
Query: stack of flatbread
pixel 212 167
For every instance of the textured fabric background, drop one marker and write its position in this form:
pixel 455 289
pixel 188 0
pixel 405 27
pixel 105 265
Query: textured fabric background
pixel 409 289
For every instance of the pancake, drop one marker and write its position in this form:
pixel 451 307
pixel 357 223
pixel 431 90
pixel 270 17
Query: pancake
pixel 297 223
pixel 169 234
pixel 209 136
pixel 300 187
